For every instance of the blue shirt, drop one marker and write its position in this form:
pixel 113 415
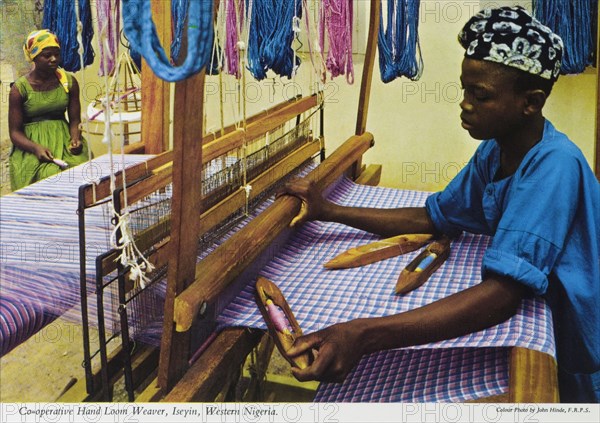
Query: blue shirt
pixel 545 223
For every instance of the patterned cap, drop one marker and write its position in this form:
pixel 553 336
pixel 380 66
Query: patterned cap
pixel 38 41
pixel 512 37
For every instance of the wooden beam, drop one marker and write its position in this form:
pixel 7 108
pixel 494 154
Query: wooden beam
pixel 185 206
pixel 210 218
pixel 214 369
pixel 260 115
pixel 366 79
pixel 370 176
pixel 92 193
pixel 367 75
pixel 155 91
pixel 258 125
pixel 135 148
pixel 533 377
pixel 224 264
pixel 139 147
pixel 216 214
pixel 235 139
pixel 159 178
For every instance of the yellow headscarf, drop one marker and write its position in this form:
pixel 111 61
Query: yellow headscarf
pixel 38 41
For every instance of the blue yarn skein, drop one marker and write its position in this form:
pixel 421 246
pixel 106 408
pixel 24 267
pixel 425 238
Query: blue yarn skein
pixel 179 11
pixel 141 32
pixel 271 37
pixel 399 51
pixel 61 19
pixel 572 21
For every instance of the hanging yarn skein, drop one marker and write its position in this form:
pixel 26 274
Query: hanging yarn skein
pixel 60 18
pixel 179 11
pixel 109 16
pixel 399 49
pixel 234 27
pixel 141 33
pixel 271 37
pixel 335 21
pixel 573 22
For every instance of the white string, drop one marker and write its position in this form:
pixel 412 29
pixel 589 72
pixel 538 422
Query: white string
pixel 121 237
pixel 297 30
pixel 241 45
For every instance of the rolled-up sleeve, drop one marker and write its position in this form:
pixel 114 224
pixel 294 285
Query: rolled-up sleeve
pixel 522 257
pixel 535 222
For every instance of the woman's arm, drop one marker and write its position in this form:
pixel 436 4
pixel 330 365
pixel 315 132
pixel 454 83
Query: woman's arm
pixel 15 128
pixel 74 113
pixel 341 346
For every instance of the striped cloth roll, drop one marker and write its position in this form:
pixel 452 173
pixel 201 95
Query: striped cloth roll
pixel 39 250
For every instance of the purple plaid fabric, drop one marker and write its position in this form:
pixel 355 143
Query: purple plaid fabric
pixel 321 297
pixel 368 291
pixel 429 375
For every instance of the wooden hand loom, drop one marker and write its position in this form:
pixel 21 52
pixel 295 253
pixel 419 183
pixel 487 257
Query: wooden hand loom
pixel 280 320
pixel 192 287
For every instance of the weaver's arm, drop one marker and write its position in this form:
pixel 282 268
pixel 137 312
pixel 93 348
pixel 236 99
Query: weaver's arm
pixel 340 347
pixel 384 222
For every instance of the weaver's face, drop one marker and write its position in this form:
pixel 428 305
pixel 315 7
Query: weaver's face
pixel 491 107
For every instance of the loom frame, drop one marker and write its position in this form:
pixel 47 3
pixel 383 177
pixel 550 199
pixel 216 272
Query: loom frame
pixel 173 363
pixel 98 382
pixel 155 174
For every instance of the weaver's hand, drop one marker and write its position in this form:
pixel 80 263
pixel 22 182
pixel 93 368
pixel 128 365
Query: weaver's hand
pixel 337 349
pixel 75 146
pixel 312 200
pixel 43 154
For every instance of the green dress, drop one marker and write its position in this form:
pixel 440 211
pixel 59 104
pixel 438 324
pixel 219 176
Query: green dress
pixel 44 123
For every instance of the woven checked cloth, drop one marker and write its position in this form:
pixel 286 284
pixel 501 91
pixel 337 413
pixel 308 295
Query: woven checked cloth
pixel 320 297
pixel 39 249
pixel 426 375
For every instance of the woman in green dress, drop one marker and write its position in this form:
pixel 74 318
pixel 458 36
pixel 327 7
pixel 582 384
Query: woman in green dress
pixel 44 141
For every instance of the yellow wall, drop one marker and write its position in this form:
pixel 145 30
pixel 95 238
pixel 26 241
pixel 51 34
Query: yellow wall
pixel 419 140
